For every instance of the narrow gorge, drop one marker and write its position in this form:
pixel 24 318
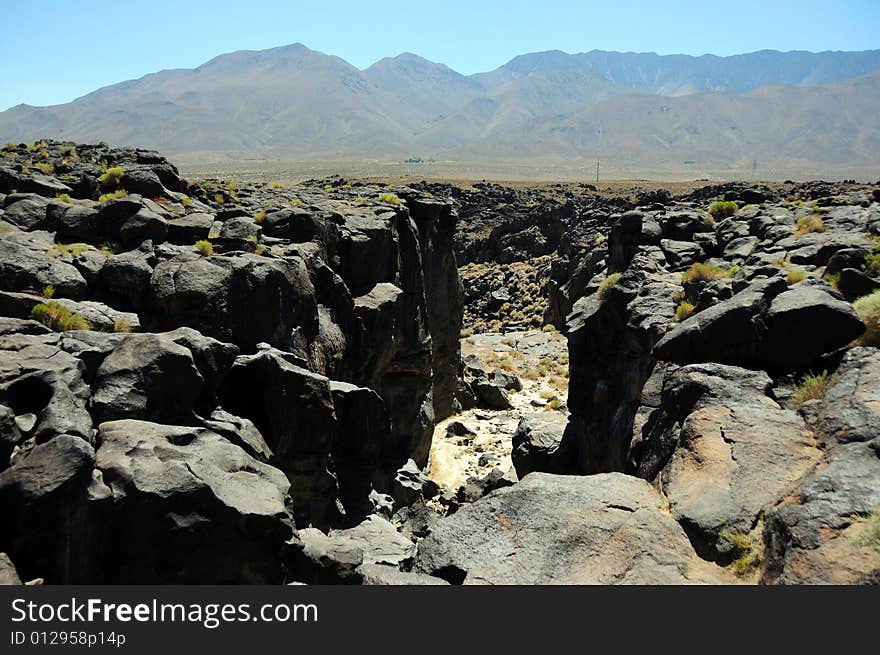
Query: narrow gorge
pixel 349 382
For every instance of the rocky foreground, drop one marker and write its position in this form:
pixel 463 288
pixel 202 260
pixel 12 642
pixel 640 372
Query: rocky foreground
pixel 204 382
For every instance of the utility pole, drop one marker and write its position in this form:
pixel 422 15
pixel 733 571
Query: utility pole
pixel 597 170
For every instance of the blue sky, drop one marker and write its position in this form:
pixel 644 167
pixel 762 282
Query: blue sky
pixel 54 51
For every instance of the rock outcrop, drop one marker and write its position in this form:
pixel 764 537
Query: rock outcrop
pixel 551 529
pixel 211 365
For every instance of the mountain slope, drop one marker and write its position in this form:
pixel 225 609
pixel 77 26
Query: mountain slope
pixel 683 74
pixel 429 90
pixel 298 103
pixel 518 101
pixel 304 100
pixel 833 124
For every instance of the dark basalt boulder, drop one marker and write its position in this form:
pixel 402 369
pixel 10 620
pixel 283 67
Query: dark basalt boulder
pixel 179 500
pixel 43 388
pixel 143 225
pixel 610 343
pixel 26 265
pixel 336 558
pixel 850 410
pixel 363 455
pixel 723 450
pixel 766 325
pixel 186 230
pixel 411 485
pixel 37 183
pixel 220 296
pixel 30 212
pixel 148 377
pixel 44 523
pixel 143 181
pixel 385 575
pixel 294 411
pixel 824 531
pixel 127 276
pixel 554 529
pixel 543 443
pixel 79 224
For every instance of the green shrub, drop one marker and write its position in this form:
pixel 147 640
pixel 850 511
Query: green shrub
pixel 71 249
pixel 809 224
pixel 64 197
pixel 606 284
pixel 389 198
pixel 45 167
pixel 219 198
pixel 703 272
pixel 812 387
pixel 868 309
pixel 49 291
pixel 205 247
pixel 115 195
pixel 684 310
pixel 112 176
pixel 276 185
pixel 59 318
pixel 872 264
pixel 260 216
pixel 186 201
pixel 833 280
pixel 722 210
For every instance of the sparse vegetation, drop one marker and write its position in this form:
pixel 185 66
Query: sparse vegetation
pixel 186 201
pixel 833 280
pixel 115 195
pixel 70 249
pixel 49 291
pixel 704 272
pixel 260 216
pixel 606 284
pixel 59 318
pixel 64 197
pixel 745 554
pixel 219 198
pixel 723 209
pixel 45 167
pixel 389 198
pixel 684 310
pixel 870 536
pixel 112 176
pixel 795 275
pixel 205 247
pixel 121 325
pixel 872 264
pixel 276 185
pixel 868 309
pixel 809 224
pixel 812 387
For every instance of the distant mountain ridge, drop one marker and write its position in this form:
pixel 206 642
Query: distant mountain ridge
pixel 297 102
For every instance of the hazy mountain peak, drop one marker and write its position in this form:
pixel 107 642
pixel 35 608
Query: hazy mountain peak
pixel 302 102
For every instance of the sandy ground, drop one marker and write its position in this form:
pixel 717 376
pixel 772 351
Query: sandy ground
pixel 540 360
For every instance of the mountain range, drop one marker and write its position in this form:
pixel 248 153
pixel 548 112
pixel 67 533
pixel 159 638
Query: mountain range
pixel 792 111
